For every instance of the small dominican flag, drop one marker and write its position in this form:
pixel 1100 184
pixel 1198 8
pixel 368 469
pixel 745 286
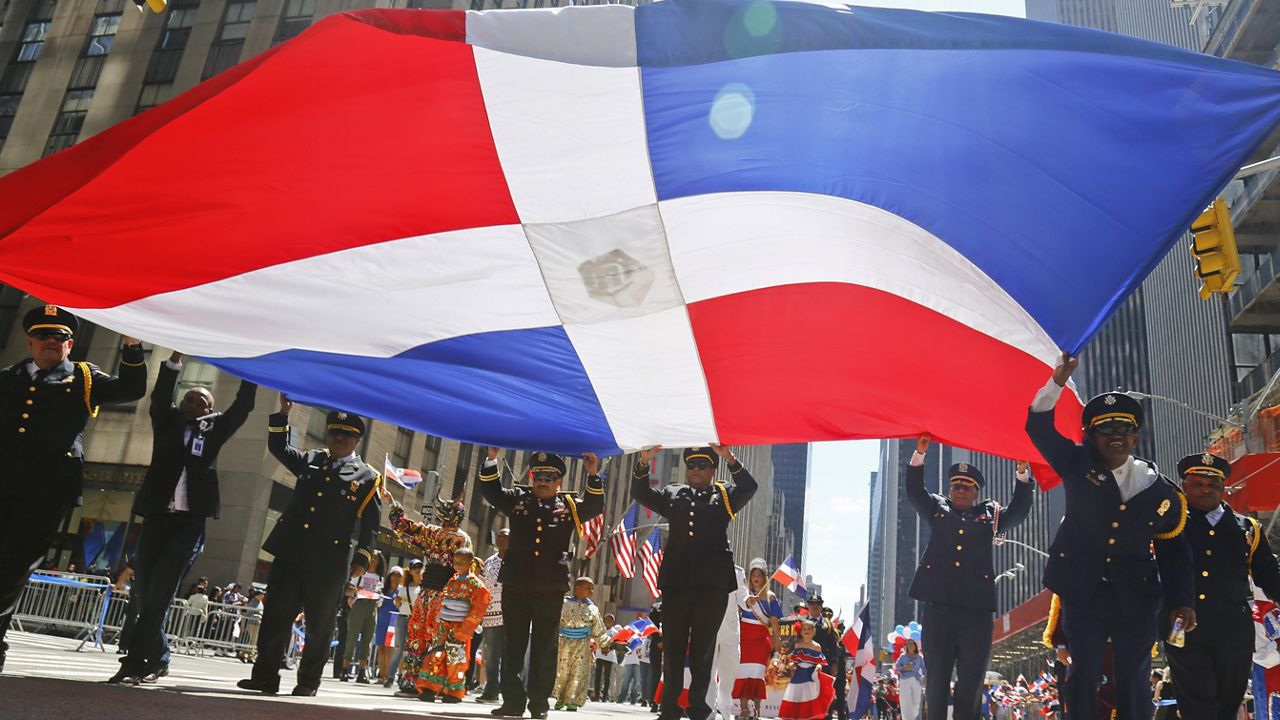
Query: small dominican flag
pixel 644 627
pixel 405 478
pixel 788 575
pixel 857 640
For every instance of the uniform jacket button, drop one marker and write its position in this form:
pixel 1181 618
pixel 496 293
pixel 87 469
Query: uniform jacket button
pixel 306 526
pixel 1122 507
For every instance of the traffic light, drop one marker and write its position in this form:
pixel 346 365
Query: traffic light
pixel 157 6
pixel 1213 246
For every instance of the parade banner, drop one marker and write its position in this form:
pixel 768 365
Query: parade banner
pixel 601 228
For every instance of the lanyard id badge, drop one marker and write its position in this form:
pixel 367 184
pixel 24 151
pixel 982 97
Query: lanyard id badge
pixel 197 446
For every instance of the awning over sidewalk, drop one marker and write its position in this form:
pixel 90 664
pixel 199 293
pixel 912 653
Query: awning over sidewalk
pixel 1255 482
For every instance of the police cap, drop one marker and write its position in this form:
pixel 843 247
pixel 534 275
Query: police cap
pixel 547 462
pixel 700 453
pixel 1204 464
pixel 1112 407
pixel 965 471
pixel 344 422
pixel 50 319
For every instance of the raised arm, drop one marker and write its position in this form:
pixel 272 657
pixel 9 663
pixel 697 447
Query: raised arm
pixel 162 394
pixel 129 385
pixel 1061 452
pixel 926 503
pixel 278 439
pixel 235 415
pixel 1023 494
pixel 744 484
pixel 502 499
pixel 591 502
pixel 640 490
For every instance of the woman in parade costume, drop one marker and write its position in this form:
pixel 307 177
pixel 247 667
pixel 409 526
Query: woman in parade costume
pixel 580 625
pixel 453 615
pixel 759 626
pixel 810 691
pixel 437 543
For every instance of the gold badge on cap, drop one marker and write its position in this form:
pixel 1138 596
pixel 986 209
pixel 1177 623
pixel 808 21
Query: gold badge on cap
pixel 540 457
pixel 962 468
pixel 1110 400
pixel 341 416
pixel 51 310
pixel 1164 508
pixel 1207 459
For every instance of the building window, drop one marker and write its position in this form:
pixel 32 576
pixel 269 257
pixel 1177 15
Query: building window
pixel 431 459
pixel 162 68
pixel 404 444
pixel 33 41
pixel 225 51
pixel 8 110
pixel 102 34
pixel 297 16
pixel 66 127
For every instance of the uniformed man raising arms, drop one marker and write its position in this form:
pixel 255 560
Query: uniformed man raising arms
pixel 45 403
pixel 1100 563
pixel 535 571
pixel 697 572
pixel 955 580
pixel 311 542
pixel 1210 671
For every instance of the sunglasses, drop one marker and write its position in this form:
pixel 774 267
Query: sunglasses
pixel 51 335
pixel 343 434
pixel 546 477
pixel 963 485
pixel 699 465
pixel 1109 429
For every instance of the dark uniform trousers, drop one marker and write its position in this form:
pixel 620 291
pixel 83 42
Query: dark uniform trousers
pixel 955 583
pixel 691 618
pixel 1132 635
pixel 696 577
pixel 298 587
pixel 42 423
pixel 530 621
pixel 535 578
pixel 1212 669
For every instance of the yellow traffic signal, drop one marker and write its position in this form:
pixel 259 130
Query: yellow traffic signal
pixel 157 6
pixel 1213 246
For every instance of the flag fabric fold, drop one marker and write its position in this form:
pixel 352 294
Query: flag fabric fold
pixel 601 213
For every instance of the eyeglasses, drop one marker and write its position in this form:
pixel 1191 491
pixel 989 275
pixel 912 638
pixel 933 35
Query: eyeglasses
pixel 699 465
pixel 1109 429
pixel 546 477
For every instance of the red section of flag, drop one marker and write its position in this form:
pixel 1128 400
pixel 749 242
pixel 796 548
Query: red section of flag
pixel 926 396
pixel 332 140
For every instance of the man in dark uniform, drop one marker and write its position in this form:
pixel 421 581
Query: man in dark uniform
pixel 825 635
pixel 1212 668
pixel 955 580
pixel 1100 563
pixel 336 491
pixel 535 572
pixel 697 572
pixel 45 403
pixel 178 493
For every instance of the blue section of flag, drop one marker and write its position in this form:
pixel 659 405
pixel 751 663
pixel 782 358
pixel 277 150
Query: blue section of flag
pixel 475 388
pixel 1017 144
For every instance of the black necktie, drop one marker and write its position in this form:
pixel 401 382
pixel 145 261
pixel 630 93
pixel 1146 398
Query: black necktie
pixel 42 374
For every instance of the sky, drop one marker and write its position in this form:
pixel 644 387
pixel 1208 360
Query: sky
pixel 837 504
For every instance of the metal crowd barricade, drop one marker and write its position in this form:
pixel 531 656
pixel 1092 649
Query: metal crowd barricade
pixel 88 605
pixel 65 600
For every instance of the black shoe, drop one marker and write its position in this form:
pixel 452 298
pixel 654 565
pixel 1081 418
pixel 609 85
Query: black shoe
pixel 270 687
pixel 301 691
pixel 450 699
pixel 427 696
pixel 361 677
pixel 125 676
pixel 507 711
pixel 156 674
pixel 538 715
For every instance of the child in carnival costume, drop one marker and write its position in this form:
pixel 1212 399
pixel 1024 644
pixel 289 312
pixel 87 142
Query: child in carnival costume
pixel 437 543
pixel 580 626
pixel 453 615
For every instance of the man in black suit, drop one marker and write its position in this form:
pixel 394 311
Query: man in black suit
pixel 697 572
pixel 336 492
pixel 179 491
pixel 45 403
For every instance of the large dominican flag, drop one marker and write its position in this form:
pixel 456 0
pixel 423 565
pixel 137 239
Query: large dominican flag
pixel 599 228
pixel 858 641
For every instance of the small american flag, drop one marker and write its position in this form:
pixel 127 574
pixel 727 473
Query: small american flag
pixel 651 556
pixel 623 541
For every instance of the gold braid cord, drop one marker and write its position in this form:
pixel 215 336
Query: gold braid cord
pixel 88 389
pixel 1182 520
pixel 724 495
pixel 1055 609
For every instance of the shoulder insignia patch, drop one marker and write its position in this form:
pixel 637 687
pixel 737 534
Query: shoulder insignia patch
pixel 1164 507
